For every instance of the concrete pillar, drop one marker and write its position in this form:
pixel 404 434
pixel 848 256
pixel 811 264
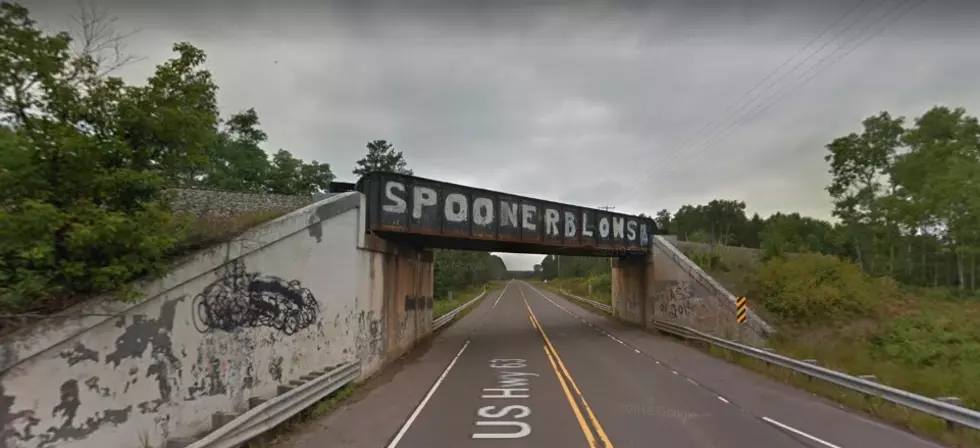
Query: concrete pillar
pixel 407 287
pixel 632 281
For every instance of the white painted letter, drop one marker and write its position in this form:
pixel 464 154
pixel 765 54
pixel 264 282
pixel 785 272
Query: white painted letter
pixel 482 212
pixel 586 231
pixel 528 211
pixel 505 392
pixel 451 215
pixel 644 238
pixel 422 197
pixel 487 411
pixel 631 230
pixel 570 226
pixel 617 227
pixel 604 227
pixel 524 431
pixel 399 205
pixel 551 219
pixel 508 363
pixel 508 214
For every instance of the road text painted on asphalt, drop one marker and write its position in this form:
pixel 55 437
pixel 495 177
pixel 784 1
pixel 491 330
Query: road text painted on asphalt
pixel 510 385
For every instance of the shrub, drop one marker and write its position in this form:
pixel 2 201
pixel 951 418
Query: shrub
pixel 811 289
pixel 84 160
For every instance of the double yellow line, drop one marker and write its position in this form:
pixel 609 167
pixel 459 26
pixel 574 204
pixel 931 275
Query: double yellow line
pixel 589 424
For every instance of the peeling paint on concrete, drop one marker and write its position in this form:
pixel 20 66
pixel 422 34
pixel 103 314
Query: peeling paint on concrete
pixel 67 409
pixel 144 332
pixel 78 353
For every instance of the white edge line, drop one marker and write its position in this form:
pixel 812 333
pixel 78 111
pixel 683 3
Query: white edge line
pixel 495 302
pixel 799 433
pixel 432 390
pixel 722 398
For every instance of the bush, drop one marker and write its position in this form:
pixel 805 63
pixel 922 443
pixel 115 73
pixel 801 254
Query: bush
pixel 84 160
pixel 601 283
pixel 707 260
pixel 812 289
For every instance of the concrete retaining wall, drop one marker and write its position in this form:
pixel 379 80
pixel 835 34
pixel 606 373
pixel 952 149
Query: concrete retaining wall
pixel 294 295
pixel 684 294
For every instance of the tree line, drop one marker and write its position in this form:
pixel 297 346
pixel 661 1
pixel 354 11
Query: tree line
pixel 906 198
pixel 86 162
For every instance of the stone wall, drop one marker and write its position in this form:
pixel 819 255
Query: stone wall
pixel 228 203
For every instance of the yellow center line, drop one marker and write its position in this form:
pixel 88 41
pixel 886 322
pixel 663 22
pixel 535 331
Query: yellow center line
pixel 559 367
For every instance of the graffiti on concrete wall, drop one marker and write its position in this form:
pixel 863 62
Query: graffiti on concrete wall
pixel 676 300
pixel 241 299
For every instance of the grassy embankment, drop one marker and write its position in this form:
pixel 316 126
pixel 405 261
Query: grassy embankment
pixel 925 340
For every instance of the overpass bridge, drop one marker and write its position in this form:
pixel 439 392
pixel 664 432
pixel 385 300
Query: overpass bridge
pixel 345 285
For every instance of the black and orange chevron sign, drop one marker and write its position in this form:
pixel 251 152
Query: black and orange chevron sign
pixel 741 309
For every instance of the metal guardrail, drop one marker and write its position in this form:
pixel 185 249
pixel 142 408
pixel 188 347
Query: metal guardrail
pixel 596 304
pixel 448 317
pixel 267 415
pixel 949 412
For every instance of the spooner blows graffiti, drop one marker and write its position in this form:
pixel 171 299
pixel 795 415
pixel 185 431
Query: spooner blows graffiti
pixel 240 299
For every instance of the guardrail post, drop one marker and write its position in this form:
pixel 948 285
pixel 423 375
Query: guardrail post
pixel 953 401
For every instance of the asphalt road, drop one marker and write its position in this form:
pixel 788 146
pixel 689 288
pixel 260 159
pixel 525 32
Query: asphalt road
pixel 529 369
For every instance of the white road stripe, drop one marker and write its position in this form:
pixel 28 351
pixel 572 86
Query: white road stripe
pixel 495 302
pixel 800 433
pixel 418 410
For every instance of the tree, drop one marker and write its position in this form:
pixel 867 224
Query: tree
pixel 96 37
pixel 238 163
pixel 381 156
pixel 84 162
pixel 663 221
pixel 859 163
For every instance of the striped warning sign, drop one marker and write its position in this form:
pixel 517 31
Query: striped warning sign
pixel 741 309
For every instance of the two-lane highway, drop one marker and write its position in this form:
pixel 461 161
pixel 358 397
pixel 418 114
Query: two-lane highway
pixel 529 369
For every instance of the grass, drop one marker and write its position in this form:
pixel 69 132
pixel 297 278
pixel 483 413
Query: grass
pixel 580 287
pixel 443 305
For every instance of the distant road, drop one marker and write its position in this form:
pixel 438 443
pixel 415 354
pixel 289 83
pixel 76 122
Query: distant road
pixel 529 369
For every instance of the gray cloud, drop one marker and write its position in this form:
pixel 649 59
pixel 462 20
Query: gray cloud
pixel 581 102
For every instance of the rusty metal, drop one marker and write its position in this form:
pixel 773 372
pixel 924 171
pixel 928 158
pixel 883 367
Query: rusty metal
pixel 429 213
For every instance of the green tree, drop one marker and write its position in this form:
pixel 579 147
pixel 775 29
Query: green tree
pixel 238 163
pixel 381 156
pixel 85 160
pixel 289 175
pixel 859 164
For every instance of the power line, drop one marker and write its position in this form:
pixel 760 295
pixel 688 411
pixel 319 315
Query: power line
pixel 787 61
pixel 781 94
pixel 798 65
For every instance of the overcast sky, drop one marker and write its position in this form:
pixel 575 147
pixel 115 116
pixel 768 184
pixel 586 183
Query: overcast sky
pixel 592 103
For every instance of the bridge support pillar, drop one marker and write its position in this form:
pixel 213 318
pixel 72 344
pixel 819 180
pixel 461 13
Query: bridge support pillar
pixel 403 278
pixel 632 287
